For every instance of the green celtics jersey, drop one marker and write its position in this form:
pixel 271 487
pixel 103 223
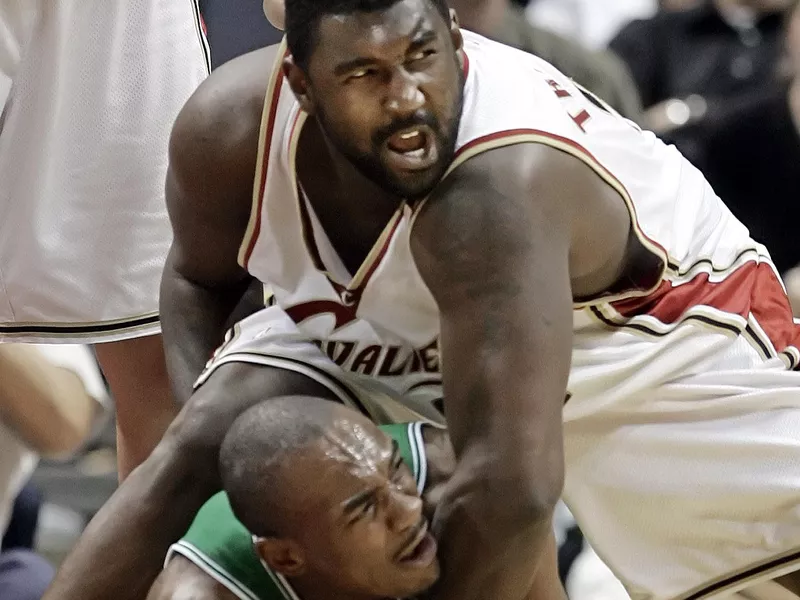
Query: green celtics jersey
pixel 221 546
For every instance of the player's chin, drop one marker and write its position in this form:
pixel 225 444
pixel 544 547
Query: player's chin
pixel 415 186
pixel 419 580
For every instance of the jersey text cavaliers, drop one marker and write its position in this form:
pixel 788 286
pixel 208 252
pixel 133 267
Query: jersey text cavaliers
pixel 382 361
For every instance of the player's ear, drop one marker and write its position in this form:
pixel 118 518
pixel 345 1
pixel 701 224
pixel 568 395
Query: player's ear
pixel 283 556
pixel 455 31
pixel 299 83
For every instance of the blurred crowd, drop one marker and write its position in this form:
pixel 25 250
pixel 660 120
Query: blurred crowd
pixel 720 79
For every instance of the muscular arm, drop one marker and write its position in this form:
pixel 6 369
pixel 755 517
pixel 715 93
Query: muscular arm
pixel 441 466
pixel 209 196
pixel 494 245
pixel 156 504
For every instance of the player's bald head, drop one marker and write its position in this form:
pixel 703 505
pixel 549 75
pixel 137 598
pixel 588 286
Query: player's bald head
pixel 268 453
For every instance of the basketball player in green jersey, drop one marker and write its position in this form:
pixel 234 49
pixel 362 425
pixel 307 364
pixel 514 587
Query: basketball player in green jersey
pixel 356 528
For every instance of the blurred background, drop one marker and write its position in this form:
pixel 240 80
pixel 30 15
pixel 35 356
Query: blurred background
pixel 720 79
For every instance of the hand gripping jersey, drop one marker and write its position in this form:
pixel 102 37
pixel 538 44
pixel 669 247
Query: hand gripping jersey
pixel 221 546
pixel 682 434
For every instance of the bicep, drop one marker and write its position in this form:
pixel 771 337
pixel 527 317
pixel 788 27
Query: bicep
pixel 208 191
pixel 205 241
pixel 494 252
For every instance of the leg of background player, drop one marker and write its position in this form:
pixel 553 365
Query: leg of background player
pixel 137 374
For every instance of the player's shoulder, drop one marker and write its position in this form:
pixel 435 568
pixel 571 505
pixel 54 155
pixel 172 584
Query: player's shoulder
pixel 240 83
pixel 182 578
pixel 220 122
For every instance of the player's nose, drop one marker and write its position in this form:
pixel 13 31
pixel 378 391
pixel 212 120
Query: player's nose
pixel 403 94
pixel 405 510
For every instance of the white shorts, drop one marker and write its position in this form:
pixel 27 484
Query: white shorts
pixel 89 91
pixel 270 338
pixel 691 492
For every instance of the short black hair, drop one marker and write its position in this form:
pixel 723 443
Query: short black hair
pixel 303 17
pixel 255 451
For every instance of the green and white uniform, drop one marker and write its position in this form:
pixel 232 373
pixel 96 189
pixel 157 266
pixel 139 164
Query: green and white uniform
pixel 221 546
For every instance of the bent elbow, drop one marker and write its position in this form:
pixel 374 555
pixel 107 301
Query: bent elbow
pixel 190 448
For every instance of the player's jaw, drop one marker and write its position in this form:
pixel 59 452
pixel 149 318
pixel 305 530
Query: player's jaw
pixel 414 154
pixel 407 158
pixel 415 564
pixel 419 549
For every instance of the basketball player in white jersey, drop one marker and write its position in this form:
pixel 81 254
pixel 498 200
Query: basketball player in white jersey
pixel 422 190
pixel 88 92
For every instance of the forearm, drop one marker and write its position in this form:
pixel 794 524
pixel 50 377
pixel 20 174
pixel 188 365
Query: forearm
pixel 547 584
pixel 123 548
pixel 491 511
pixel 532 556
pixel 47 406
pixel 121 552
pixel 193 320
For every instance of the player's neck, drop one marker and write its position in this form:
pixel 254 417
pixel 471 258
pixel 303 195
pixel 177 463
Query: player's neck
pixel 341 178
pixel 335 187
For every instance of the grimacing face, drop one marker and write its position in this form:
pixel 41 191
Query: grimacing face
pixel 386 88
pixel 358 524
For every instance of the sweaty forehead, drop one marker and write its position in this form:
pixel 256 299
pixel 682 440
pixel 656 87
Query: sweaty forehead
pixel 339 464
pixel 355 444
pixel 349 36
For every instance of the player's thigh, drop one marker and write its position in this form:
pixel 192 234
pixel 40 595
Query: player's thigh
pixel 182 579
pixel 692 501
pixel 136 371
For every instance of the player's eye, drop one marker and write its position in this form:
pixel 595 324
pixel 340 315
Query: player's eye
pixel 368 508
pixel 361 73
pixel 420 55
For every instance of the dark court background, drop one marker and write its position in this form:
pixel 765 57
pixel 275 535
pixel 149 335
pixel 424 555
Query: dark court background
pixel 235 27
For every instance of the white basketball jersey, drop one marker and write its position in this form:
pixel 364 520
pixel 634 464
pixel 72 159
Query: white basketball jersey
pixel 712 302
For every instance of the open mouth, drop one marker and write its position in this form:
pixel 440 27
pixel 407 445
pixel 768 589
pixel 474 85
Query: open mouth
pixel 412 149
pixel 421 550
